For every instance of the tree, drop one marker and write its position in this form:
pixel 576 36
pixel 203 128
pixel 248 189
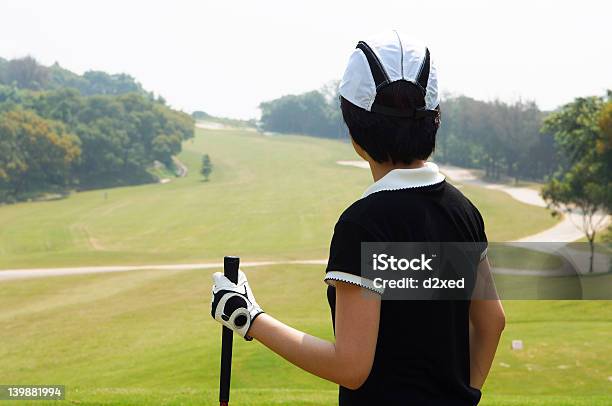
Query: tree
pixel 96 82
pixel 26 73
pixel 207 167
pixel 119 136
pixel 309 113
pixel 200 115
pixel 582 182
pixel 501 138
pixel 34 152
pixel 604 143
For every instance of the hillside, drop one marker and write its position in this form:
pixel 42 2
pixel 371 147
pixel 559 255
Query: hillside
pixel 27 73
pixel 60 131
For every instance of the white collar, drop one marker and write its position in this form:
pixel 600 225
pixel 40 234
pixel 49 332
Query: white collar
pixel 407 178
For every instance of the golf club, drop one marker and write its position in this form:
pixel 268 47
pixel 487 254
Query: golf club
pixel 230 270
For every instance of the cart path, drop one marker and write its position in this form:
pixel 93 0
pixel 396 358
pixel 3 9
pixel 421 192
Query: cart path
pixel 15 274
pixel 182 168
pixel 11 274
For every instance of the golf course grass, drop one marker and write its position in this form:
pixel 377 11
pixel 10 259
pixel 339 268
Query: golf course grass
pixel 269 197
pixel 146 337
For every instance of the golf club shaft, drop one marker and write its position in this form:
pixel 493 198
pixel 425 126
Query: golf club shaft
pixel 230 270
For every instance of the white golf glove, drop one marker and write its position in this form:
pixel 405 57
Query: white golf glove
pixel 233 304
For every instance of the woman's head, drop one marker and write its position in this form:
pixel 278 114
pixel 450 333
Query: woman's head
pixel 387 138
pixel 389 99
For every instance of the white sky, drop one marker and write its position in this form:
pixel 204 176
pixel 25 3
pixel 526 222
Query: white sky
pixel 224 57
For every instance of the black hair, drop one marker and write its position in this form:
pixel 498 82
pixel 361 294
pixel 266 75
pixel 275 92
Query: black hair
pixel 389 138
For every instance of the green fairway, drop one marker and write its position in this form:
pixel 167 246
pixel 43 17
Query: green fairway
pixel 144 338
pixel 268 198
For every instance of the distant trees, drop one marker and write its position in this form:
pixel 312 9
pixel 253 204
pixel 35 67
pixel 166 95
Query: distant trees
pixel 504 139
pixel 501 138
pixel 583 181
pixel 207 167
pixel 27 73
pixel 35 152
pixel 309 113
pixel 117 132
pixel 97 82
pixel 603 145
pixel 200 115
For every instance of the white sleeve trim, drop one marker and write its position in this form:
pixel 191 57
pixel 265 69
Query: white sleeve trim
pixel 332 276
pixel 483 254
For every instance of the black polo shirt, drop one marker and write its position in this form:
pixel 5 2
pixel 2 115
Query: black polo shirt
pixel 422 353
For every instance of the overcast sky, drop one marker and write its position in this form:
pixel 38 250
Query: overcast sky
pixel 224 57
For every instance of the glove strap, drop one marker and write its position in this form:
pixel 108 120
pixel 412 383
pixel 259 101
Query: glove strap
pixel 247 336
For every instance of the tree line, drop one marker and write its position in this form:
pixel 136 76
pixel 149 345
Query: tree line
pixel 311 113
pixel 27 73
pixel 54 137
pixel 504 139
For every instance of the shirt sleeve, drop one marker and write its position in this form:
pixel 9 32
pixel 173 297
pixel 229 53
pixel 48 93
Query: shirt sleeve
pixel 482 235
pixel 344 264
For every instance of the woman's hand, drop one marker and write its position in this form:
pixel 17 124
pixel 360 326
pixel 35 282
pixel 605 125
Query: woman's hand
pixel 233 304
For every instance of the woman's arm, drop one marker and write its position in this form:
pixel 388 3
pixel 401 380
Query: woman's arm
pixel 346 362
pixel 487 321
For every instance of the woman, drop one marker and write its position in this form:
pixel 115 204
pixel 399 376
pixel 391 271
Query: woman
pixel 409 352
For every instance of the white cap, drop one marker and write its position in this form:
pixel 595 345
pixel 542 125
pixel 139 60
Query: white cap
pixel 386 58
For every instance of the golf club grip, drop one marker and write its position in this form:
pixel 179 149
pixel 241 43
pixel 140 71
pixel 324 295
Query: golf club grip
pixel 230 270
